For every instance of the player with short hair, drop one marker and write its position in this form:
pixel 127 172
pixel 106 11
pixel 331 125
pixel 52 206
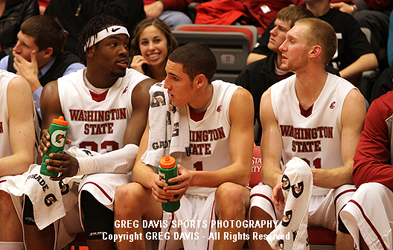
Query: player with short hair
pixel 213 169
pixel 106 106
pixel 315 116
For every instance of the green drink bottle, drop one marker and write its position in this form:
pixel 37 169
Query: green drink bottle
pixel 168 169
pixel 58 134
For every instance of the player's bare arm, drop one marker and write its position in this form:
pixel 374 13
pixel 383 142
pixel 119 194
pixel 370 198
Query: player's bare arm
pixel 140 103
pixel 145 175
pixel 21 128
pixel 240 146
pixel 352 119
pixel 271 148
pixel 271 143
pixel 50 109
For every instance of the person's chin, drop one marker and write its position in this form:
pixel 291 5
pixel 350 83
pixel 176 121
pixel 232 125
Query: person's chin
pixel 120 73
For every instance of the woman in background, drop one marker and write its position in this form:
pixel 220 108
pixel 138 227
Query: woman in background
pixel 153 42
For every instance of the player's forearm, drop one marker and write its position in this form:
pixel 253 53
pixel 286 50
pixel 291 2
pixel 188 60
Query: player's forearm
pixel 143 174
pixel 16 164
pixel 332 178
pixel 364 63
pixel 235 174
pixel 270 174
pixel 118 161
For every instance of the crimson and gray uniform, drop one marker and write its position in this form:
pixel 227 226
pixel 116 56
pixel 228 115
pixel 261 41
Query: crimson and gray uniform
pixel 316 139
pixel 209 151
pixel 96 122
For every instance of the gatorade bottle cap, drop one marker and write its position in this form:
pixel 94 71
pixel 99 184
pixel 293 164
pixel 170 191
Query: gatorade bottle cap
pixel 60 121
pixel 167 162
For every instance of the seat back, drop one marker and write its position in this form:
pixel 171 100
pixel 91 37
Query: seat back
pixel 256 167
pixel 231 45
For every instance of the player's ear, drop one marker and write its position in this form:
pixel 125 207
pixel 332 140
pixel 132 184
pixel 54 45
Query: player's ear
pixel 200 80
pixel 90 52
pixel 315 51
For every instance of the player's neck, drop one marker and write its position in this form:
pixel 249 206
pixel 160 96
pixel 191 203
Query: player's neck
pixel 309 86
pixel 204 98
pixel 100 80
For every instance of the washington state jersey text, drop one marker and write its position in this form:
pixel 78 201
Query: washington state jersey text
pixel 98 115
pixel 306 134
pixel 205 136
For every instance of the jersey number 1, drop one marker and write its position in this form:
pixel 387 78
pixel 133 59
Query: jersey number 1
pixel 316 163
pixel 198 166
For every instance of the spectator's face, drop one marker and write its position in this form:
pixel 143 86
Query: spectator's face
pixel 180 87
pixel 153 46
pixel 25 46
pixel 295 49
pixel 277 34
pixel 111 55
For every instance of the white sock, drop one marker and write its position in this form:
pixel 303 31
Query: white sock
pixel 7 245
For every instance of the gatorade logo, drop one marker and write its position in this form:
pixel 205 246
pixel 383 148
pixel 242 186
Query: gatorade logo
pixel 58 138
pixel 50 199
pixel 162 177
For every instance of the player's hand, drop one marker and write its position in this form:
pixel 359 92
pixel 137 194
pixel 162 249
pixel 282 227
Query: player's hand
pixel 183 180
pixel 278 196
pixel 154 10
pixel 45 142
pixel 137 63
pixel 62 163
pixel 158 191
pixel 341 6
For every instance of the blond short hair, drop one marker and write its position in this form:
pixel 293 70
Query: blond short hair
pixel 320 33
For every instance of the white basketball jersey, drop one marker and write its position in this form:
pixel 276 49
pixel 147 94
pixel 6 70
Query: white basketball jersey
pixel 316 138
pixel 5 145
pixel 98 124
pixel 209 138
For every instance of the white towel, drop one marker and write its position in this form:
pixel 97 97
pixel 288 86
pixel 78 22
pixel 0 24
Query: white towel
pixel 297 183
pixel 51 199
pixel 169 131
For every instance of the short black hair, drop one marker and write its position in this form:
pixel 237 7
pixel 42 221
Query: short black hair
pixel 93 26
pixel 196 58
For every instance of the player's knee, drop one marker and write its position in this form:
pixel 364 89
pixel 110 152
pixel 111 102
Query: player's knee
pixel 6 205
pixel 127 195
pixel 233 196
pixel 124 192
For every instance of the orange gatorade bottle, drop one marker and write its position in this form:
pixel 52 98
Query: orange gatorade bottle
pixel 58 133
pixel 168 169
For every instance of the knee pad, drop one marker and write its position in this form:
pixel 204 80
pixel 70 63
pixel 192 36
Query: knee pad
pixel 97 218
